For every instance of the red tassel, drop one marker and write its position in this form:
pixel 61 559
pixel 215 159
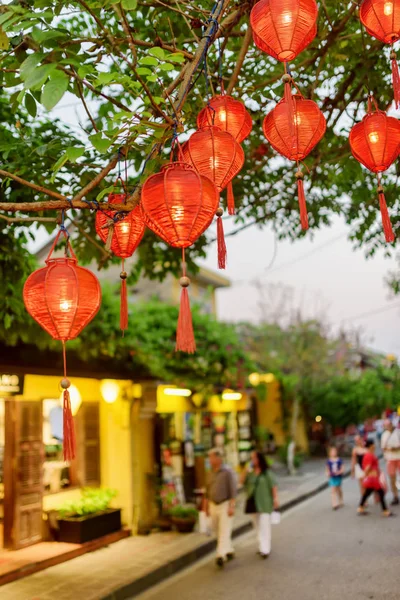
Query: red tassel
pixel 69 441
pixel 221 244
pixel 395 79
pixel 302 201
pixel 290 105
pixel 387 226
pixel 185 341
pixel 123 320
pixel 231 199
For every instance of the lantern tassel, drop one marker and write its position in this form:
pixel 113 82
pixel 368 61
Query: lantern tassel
pixel 185 341
pixel 231 199
pixel 302 200
pixel 123 321
pixel 395 79
pixel 222 253
pixel 69 440
pixel 387 226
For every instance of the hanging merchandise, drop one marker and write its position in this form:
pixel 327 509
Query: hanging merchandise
pixel 375 143
pixel 228 114
pixel 179 204
pixel 63 298
pixel 284 28
pixel 382 20
pixel 295 138
pixel 122 237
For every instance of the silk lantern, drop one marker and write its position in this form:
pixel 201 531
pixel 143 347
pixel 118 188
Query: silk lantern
pixel 179 204
pixel 228 114
pixel 63 298
pixel 122 237
pixel 295 137
pixel 382 20
pixel 375 143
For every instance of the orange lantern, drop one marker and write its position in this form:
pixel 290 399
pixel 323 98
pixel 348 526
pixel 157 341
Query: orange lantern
pixel 295 137
pixel 63 298
pixel 228 114
pixel 284 28
pixel 382 20
pixel 375 143
pixel 179 204
pixel 122 237
pixel 217 155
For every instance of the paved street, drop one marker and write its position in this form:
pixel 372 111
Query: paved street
pixel 317 554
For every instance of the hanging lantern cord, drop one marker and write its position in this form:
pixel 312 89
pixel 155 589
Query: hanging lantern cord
pixel 220 57
pixel 288 80
pixel 69 441
pixel 395 77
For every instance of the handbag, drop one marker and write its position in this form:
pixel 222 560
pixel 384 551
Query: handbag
pixel 275 517
pixel 250 507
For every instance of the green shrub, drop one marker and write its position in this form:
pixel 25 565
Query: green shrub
pixel 92 501
pixel 184 512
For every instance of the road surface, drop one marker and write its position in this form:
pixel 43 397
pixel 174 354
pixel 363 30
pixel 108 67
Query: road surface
pixel 317 554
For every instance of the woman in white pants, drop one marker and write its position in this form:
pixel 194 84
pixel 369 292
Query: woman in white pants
pixel 262 500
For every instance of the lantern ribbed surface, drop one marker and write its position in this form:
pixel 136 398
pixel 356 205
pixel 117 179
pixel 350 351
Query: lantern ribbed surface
pixel 127 233
pixel 284 28
pixel 228 114
pixel 215 154
pixel 62 297
pixel 381 19
pixel 375 142
pixel 296 142
pixel 179 204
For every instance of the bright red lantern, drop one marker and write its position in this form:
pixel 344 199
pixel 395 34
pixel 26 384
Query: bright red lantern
pixel 382 20
pixel 217 155
pixel 375 143
pixel 63 298
pixel 179 204
pixel 228 114
pixel 294 132
pixel 284 28
pixel 122 237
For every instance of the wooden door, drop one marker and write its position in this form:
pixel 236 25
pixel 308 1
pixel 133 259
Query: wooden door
pixel 23 474
pixel 87 424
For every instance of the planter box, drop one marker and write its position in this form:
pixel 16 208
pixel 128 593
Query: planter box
pixel 84 529
pixel 184 525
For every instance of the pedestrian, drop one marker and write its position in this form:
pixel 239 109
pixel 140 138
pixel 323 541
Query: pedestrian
pixel 390 444
pixel 373 480
pixel 220 504
pixel 357 456
pixel 334 470
pixel 262 499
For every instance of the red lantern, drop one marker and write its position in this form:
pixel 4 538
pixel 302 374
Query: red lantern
pixel 179 204
pixel 63 298
pixel 122 237
pixel 375 143
pixel 284 28
pixel 295 137
pixel 217 155
pixel 228 114
pixel 382 20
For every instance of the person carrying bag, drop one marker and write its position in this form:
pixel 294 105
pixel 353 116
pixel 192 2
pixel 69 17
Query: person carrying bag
pixel 262 500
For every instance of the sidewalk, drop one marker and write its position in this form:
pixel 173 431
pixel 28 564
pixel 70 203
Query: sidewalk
pixel 127 568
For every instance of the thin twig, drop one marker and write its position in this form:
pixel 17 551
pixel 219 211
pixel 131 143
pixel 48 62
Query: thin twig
pixel 240 60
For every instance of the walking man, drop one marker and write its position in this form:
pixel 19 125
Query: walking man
pixel 390 443
pixel 221 498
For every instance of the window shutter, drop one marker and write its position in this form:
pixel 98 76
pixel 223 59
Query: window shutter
pixel 88 437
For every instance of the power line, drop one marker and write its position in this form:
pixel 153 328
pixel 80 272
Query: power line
pixel 375 311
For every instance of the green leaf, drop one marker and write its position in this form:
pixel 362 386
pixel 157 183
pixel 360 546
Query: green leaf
pixel 104 78
pixel 158 52
pixel 129 4
pixel 29 64
pixel 104 192
pixel 54 89
pixel 101 144
pixel 4 41
pixel 149 61
pixel 178 58
pixel 152 78
pixel 74 153
pixel 30 105
pixel 60 163
pixel 38 76
pixel 166 67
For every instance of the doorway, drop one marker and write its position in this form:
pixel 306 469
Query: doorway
pixel 2 443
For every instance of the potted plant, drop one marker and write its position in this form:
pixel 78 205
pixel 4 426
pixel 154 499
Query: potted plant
pixel 184 518
pixel 88 518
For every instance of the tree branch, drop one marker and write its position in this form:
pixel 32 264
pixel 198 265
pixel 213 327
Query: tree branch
pixel 242 55
pixel 33 186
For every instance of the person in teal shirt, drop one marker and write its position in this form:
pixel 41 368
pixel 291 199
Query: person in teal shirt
pixel 262 499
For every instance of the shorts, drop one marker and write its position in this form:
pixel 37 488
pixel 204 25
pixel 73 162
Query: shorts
pixel 335 481
pixel 392 467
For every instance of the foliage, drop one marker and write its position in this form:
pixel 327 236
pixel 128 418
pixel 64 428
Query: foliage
pixel 283 455
pixel 91 502
pixel 121 66
pixel 184 512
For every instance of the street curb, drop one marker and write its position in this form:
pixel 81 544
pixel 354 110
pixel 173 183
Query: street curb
pixel 182 562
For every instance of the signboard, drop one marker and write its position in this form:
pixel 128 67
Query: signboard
pixel 11 385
